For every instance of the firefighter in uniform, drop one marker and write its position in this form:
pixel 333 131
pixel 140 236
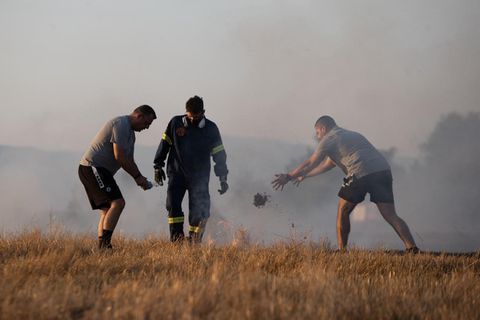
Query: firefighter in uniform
pixel 189 141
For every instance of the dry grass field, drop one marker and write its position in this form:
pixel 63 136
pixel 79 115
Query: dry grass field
pixel 61 276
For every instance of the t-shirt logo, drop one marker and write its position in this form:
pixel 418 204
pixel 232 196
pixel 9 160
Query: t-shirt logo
pixel 347 181
pixel 181 131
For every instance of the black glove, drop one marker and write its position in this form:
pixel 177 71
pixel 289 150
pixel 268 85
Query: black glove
pixel 159 176
pixel 223 185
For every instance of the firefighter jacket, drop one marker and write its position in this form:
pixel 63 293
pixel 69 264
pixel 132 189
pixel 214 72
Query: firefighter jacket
pixel 189 149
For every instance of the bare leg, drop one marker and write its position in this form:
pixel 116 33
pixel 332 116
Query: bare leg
pixel 113 214
pixel 103 213
pixel 343 222
pixel 389 214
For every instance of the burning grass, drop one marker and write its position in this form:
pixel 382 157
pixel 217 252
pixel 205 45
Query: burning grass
pixel 59 276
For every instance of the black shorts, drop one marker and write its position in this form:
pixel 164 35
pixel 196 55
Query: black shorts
pixel 100 186
pixel 378 185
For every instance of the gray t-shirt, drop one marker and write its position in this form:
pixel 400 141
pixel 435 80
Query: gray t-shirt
pixel 100 152
pixel 352 152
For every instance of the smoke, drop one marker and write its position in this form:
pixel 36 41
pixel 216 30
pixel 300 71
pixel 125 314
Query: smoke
pixel 441 189
pixel 267 69
pixel 437 193
pixel 375 65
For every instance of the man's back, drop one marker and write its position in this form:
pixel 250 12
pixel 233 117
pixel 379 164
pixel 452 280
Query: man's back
pixel 100 151
pixel 352 152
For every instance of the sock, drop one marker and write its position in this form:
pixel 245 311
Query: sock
pixel 107 238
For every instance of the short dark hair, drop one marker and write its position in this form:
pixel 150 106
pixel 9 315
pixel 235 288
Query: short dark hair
pixel 146 110
pixel 325 121
pixel 194 105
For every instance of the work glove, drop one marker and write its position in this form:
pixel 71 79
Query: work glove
pixel 159 176
pixel 223 185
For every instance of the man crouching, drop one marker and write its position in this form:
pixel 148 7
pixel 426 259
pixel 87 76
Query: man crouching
pixel 112 149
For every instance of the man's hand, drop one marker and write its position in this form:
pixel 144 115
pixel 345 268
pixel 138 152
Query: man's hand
pixel 159 176
pixel 223 185
pixel 298 180
pixel 143 183
pixel 281 180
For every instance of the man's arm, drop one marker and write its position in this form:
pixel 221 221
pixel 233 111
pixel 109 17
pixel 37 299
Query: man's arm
pixel 163 147
pixel 282 179
pixel 324 166
pixel 308 165
pixel 304 168
pixel 129 165
pixel 219 157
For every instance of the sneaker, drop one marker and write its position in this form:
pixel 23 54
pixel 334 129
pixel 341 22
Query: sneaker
pixel 413 250
pixel 106 248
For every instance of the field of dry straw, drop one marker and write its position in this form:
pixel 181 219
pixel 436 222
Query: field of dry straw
pixel 61 276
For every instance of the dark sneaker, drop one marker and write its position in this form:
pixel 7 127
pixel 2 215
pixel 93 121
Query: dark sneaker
pixel 102 245
pixel 413 250
pixel 106 248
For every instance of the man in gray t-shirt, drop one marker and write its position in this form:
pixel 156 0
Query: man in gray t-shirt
pixel 112 149
pixel 100 153
pixel 352 152
pixel 366 170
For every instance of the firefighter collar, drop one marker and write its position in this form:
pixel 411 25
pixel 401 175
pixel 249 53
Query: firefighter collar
pixel 201 124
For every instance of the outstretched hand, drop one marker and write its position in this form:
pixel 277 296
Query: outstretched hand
pixel 280 181
pixel 298 180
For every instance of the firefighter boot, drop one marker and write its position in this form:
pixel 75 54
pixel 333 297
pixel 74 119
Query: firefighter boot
pixel 176 229
pixel 196 232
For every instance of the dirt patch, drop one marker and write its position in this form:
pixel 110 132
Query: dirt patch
pixel 259 200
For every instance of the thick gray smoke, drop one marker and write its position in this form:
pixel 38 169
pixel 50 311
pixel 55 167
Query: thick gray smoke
pixel 436 194
pixel 441 190
pixel 267 69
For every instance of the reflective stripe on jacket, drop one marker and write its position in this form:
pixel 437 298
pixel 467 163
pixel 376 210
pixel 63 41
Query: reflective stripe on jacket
pixel 189 149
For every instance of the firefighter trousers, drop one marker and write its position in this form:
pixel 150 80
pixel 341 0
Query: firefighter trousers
pixel 198 205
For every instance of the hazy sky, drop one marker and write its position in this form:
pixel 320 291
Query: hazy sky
pixel 269 68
